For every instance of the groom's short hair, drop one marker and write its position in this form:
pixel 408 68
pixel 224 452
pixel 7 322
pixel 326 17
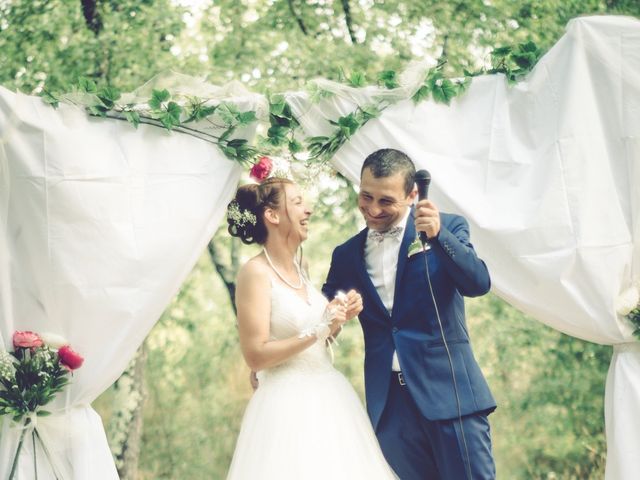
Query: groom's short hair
pixel 387 162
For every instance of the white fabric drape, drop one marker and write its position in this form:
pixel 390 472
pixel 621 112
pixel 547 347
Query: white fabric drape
pixel 99 225
pixel 548 174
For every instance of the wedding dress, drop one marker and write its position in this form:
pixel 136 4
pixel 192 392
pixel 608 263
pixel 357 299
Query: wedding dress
pixel 305 420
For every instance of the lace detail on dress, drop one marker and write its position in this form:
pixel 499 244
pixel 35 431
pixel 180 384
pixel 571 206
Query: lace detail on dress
pixel 290 316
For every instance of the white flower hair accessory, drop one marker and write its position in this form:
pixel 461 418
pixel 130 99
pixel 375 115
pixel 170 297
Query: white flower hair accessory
pixel 241 217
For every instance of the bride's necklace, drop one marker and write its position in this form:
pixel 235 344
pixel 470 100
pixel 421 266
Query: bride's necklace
pixel 295 287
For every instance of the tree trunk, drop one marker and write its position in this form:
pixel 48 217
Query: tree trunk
pixel 125 426
pixel 91 15
pixel 226 270
pixel 349 21
pixel 298 17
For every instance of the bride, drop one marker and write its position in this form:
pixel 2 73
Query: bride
pixel 305 421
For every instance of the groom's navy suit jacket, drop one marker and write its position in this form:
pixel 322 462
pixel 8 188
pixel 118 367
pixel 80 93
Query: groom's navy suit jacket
pixel 412 328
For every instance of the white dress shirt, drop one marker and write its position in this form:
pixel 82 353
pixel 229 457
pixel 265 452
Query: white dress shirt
pixel 381 260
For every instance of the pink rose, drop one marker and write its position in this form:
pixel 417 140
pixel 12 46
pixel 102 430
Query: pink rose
pixel 262 169
pixel 26 340
pixel 70 359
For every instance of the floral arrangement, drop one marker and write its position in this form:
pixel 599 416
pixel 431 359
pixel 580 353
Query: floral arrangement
pixel 628 306
pixel 30 377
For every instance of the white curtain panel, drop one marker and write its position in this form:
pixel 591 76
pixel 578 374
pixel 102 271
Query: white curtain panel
pixel 99 225
pixel 548 174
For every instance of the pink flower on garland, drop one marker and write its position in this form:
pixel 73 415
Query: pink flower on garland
pixel 261 169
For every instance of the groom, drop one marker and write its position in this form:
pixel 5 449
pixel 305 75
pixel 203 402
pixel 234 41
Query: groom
pixel 413 399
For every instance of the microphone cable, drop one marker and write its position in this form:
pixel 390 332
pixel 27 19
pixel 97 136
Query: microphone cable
pixel 453 373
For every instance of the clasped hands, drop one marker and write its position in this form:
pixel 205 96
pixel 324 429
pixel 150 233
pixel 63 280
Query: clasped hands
pixel 343 308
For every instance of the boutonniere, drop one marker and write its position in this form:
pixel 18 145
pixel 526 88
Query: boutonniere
pixel 416 247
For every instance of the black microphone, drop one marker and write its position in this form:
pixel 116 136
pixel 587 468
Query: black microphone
pixel 423 179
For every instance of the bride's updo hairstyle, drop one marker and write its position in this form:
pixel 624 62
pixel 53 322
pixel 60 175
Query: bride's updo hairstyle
pixel 245 213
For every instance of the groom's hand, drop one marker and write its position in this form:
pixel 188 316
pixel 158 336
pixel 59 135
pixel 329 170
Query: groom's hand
pixel 354 304
pixel 427 218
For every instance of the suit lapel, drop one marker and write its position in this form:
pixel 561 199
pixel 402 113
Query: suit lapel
pixel 408 237
pixel 369 290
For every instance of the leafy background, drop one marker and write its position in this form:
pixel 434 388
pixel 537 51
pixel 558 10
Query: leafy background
pixel 191 383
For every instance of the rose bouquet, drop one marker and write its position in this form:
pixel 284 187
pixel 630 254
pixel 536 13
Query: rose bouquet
pixel 30 377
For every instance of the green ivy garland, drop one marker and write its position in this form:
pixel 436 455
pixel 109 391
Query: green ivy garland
pixel 282 136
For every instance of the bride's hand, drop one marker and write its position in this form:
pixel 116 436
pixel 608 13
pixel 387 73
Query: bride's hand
pixel 338 312
pixel 353 304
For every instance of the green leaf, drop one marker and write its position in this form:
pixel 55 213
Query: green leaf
pixel 226 134
pixel 388 78
pixel 295 146
pixel 349 124
pixel 108 96
pixel 464 85
pixel 499 52
pixel 49 98
pixel 370 111
pixel 98 110
pixel 245 118
pixel 357 79
pixel 158 97
pixel 444 90
pixel 422 94
pixel 228 112
pixel 43 413
pixel 206 111
pixel 133 118
pixel 316 93
pixel 174 110
pixel 87 85
pixel 277 108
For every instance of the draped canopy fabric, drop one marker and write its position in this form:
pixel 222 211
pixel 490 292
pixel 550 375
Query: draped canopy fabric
pixel 100 223
pixel 548 174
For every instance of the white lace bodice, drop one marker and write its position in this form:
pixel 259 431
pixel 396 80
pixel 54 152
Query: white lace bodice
pixel 291 315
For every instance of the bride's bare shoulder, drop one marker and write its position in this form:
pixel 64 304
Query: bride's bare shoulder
pixel 255 270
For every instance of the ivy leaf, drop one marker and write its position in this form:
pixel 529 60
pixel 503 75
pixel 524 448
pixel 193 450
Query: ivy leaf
pixel 464 85
pixel 357 79
pixel 388 78
pixel 49 98
pixel 200 111
pixel 422 94
pixel 277 135
pixel 349 124
pixel 295 146
pixel 444 90
pixel 277 105
pixel 108 96
pixel 226 134
pixel 174 110
pixel 245 118
pixel 132 117
pixel 228 113
pixel 98 110
pixel 316 93
pixel 369 111
pixel 157 97
pixel 501 52
pixel 87 85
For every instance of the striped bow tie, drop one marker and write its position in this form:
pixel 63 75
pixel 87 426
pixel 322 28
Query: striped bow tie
pixel 378 237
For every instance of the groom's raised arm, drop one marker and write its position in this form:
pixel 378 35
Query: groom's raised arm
pixel 460 259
